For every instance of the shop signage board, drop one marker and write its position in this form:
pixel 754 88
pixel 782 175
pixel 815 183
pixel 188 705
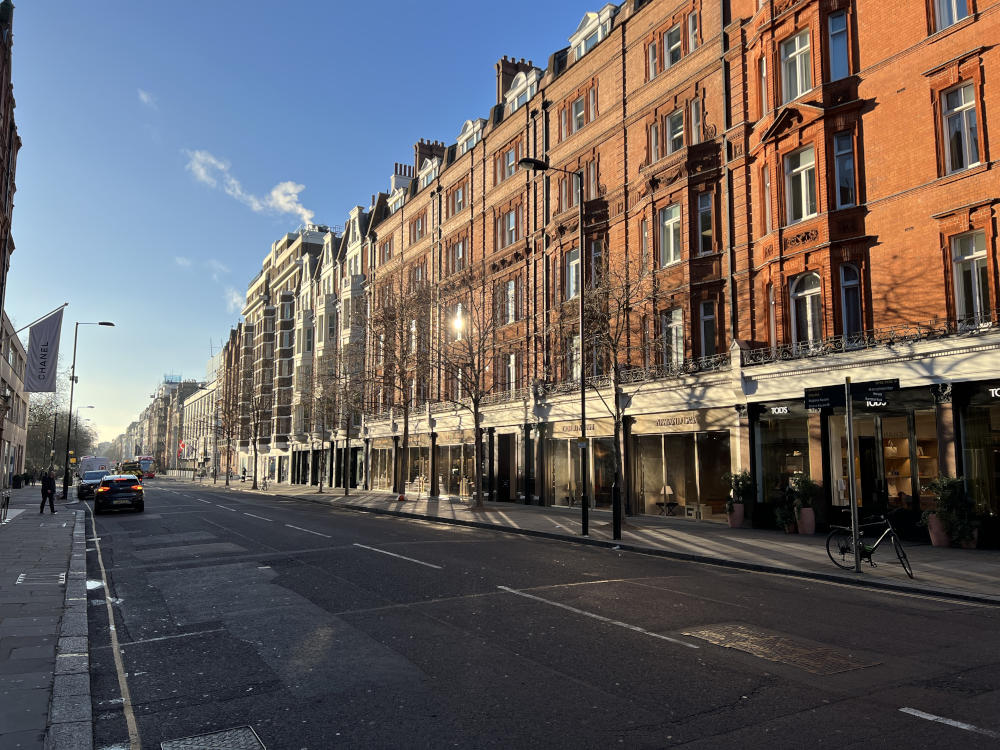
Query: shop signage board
pixel 828 396
pixel 873 392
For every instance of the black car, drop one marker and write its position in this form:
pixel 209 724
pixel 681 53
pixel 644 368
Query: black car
pixel 88 483
pixel 118 491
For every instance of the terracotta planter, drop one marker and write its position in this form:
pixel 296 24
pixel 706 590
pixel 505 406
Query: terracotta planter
pixel 807 521
pixel 939 537
pixel 736 517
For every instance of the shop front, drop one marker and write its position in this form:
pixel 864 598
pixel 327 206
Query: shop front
pixel 562 462
pixel 679 462
pixel 980 430
pixel 456 462
pixel 381 463
pixel 897 452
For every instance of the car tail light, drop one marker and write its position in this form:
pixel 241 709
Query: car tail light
pixel 136 487
pixel 103 489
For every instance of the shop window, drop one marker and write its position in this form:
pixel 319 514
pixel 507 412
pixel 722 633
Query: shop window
pixel 972 288
pixel 850 300
pixel 807 311
pixel 960 130
pixel 796 67
pixel 981 451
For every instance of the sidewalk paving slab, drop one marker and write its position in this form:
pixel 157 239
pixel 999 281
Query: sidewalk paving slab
pixel 43 693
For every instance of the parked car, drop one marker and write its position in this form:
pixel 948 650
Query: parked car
pixel 118 491
pixel 88 483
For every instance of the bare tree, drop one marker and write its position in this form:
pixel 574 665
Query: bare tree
pixel 465 349
pixel 615 297
pixel 228 416
pixel 400 327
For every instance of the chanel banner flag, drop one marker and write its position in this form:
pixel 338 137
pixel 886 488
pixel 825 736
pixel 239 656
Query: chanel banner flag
pixel 43 354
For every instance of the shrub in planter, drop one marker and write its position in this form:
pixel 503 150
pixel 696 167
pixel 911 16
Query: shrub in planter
pixel 805 492
pixel 954 509
pixel 784 509
pixel 741 491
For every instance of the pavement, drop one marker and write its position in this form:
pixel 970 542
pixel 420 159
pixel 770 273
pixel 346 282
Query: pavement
pixel 969 575
pixel 44 660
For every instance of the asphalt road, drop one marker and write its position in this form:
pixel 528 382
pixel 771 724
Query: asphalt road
pixel 327 628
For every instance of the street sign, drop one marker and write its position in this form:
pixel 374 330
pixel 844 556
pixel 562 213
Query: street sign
pixel 824 397
pixel 874 390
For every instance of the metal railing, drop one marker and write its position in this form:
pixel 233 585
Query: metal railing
pixel 875 338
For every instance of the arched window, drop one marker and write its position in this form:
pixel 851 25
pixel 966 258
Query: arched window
pixel 850 300
pixel 807 310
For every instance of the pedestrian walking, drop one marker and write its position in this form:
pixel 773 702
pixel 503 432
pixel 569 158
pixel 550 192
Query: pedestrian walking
pixel 48 492
pixel 243 478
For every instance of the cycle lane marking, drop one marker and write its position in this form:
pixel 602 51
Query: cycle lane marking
pixel 601 618
pixel 951 722
pixel 401 557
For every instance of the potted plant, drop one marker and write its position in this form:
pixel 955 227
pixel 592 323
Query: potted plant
pixel 805 492
pixel 741 490
pixel 784 508
pixel 953 520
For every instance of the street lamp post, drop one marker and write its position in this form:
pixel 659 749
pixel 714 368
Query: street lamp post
pixel 72 384
pixel 538 165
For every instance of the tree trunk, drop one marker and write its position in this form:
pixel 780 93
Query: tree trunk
pixel 616 490
pixel 477 500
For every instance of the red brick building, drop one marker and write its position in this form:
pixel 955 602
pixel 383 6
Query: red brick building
pixel 790 196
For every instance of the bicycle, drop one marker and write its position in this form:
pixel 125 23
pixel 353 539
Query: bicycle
pixel 840 545
pixel 263 484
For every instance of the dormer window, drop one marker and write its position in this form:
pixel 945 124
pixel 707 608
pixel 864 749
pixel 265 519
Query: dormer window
pixel 522 88
pixel 592 29
pixel 472 133
pixel 396 201
pixel 428 172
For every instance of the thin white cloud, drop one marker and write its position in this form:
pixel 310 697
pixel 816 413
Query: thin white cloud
pixel 283 198
pixel 234 300
pixel 182 261
pixel 146 98
pixel 216 267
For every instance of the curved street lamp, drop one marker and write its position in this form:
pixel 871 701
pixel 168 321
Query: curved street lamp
pixel 72 384
pixel 538 165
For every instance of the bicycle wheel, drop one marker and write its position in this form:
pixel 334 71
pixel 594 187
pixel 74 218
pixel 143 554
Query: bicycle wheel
pixel 840 548
pixel 901 554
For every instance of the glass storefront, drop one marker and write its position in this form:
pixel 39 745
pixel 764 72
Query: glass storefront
pixel 456 469
pixel 782 433
pixel 681 474
pixel 381 465
pixel 981 449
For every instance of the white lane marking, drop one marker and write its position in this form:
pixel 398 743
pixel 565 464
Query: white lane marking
pixel 207 502
pixel 608 620
pixel 308 531
pixel 401 557
pixel 225 508
pixel 951 723
pixel 269 520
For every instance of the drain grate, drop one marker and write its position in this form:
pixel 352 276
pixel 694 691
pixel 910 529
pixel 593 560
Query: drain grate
pixel 240 738
pixel 782 649
pixel 56 579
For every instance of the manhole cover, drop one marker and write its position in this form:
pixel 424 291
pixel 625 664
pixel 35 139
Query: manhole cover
pixel 36 578
pixel 241 738
pixel 796 652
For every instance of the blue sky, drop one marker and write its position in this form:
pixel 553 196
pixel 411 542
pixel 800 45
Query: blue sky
pixel 167 145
